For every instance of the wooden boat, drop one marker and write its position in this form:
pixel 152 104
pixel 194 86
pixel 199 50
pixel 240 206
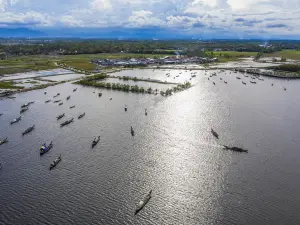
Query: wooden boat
pixel 125 108
pixel 68 98
pixel 95 141
pixel 60 103
pixel 57 101
pixel 142 203
pixel 81 115
pixel 215 133
pixel 244 83
pixel 252 82
pixel 73 106
pixel 60 116
pixel 235 149
pixel 146 113
pixel 25 105
pixel 16 120
pixel 47 101
pixel 67 122
pixel 55 162
pixel 45 148
pixel 132 131
pixel 5 140
pixel 225 82
pixel 74 89
pixel 1 114
pixel 28 130
pixel 238 78
pixel 99 94
pixel 24 110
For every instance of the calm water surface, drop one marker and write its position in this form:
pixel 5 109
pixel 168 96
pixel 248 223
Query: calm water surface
pixel 173 153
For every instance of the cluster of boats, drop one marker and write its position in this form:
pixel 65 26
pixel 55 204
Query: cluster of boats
pixel 225 147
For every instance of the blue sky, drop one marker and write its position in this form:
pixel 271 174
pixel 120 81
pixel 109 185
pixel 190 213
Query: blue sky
pixel 239 18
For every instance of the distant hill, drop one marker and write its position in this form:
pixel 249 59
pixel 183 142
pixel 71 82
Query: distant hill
pixel 21 32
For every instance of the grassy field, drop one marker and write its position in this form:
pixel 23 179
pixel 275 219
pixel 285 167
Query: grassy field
pixel 288 54
pixel 227 56
pixel 18 64
pixel 9 85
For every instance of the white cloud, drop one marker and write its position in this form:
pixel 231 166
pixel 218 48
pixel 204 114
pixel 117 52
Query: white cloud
pixel 239 16
pixel 101 5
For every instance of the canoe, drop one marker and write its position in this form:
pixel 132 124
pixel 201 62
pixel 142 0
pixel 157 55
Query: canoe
pixel 81 115
pixel 142 203
pixel 215 133
pixel 16 120
pixel 95 141
pixel 5 140
pixel 24 110
pixel 235 149
pixel 55 162
pixel 28 130
pixel 45 148
pixel 60 116
pixel 67 122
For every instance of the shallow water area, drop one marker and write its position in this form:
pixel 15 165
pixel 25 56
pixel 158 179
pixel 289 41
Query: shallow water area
pixel 194 181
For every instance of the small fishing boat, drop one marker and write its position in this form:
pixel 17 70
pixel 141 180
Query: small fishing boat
pixel 81 115
pixel 56 95
pixel 55 162
pixel 252 82
pixel 5 140
pixel 235 149
pixel 68 98
pixel 246 76
pixel 47 101
pixel 60 103
pixel 125 108
pixel 272 84
pixel 207 78
pixel 16 120
pixel 146 113
pixel 244 83
pixel 45 148
pixel 45 92
pixel 99 94
pixel 110 99
pixel 60 116
pixel 194 75
pixel 132 131
pixel 238 78
pixel 260 79
pixel 215 133
pixel 142 203
pixel 95 141
pixel 31 102
pixel 225 82
pixel 24 110
pixel 28 130
pixel 73 106
pixel 67 122
pixel 1 114
pixel 214 83
pixel 25 105
pixel 285 89
pixel 220 78
pixel 74 89
pixel 57 101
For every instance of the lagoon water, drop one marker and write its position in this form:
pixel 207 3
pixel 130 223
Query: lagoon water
pixel 194 181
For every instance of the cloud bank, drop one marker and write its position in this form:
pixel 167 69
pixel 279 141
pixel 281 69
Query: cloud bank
pixel 241 18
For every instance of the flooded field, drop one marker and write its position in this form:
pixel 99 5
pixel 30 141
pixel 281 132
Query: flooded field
pixel 41 73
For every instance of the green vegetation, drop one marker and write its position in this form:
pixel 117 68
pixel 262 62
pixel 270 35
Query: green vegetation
pixel 287 67
pixel 226 56
pixel 9 85
pixel 287 54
